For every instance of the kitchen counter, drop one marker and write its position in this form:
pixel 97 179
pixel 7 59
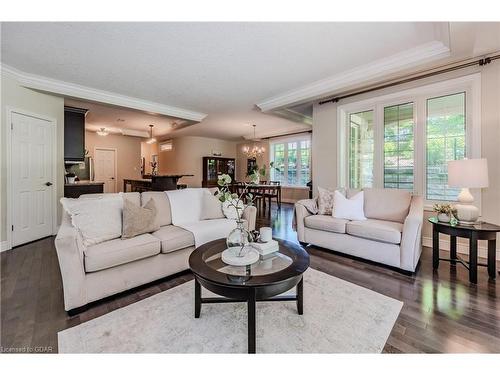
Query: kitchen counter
pixel 83 187
pixel 85 182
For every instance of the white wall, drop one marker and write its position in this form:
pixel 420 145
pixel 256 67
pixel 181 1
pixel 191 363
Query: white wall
pixel 20 98
pixel 324 139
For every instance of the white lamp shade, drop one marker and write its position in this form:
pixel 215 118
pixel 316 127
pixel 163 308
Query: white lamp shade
pixel 468 173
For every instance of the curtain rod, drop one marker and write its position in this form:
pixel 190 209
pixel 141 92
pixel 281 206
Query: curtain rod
pixel 480 62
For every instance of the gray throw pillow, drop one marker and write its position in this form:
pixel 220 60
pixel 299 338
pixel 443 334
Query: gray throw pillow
pixel 138 220
pixel 211 207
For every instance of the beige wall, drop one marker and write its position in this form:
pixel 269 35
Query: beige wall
pixel 324 138
pixel 128 151
pixel 186 157
pixel 19 98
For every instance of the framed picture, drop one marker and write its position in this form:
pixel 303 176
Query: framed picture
pixel 251 165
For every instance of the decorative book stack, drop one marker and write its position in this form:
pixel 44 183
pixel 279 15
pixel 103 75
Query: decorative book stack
pixel 266 248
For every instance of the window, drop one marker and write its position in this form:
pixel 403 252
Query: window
pixel 445 142
pixel 398 146
pixel 292 160
pixel 166 146
pixel 361 149
pixel 292 163
pixel 405 140
pixel 278 156
pixel 305 161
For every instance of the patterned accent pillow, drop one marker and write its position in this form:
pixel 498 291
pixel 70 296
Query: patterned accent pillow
pixel 325 201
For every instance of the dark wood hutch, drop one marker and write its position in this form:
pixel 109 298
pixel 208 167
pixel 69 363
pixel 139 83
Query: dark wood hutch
pixel 213 166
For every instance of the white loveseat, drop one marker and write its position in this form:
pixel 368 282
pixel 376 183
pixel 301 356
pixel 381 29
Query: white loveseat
pixel 391 235
pixel 95 272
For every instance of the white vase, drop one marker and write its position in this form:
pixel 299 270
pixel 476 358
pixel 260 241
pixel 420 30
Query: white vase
pixel 444 218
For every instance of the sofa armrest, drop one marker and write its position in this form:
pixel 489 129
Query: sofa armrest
pixel 303 208
pixel 411 242
pixel 250 215
pixel 70 254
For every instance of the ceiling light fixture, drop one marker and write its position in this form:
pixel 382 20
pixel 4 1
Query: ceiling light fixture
pixel 253 150
pixel 102 132
pixel 151 138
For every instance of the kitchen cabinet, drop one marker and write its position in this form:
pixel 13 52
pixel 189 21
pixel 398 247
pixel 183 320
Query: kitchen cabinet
pixel 74 134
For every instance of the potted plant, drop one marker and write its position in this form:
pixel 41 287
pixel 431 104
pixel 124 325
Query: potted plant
pixel 257 173
pixel 445 212
pixel 70 177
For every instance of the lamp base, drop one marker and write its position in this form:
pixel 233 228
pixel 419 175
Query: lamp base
pixel 467 214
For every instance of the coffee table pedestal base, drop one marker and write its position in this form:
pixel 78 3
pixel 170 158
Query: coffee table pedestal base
pixel 251 300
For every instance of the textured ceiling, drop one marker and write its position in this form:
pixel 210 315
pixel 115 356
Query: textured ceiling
pixel 221 69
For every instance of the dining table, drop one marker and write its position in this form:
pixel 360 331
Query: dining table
pixel 266 192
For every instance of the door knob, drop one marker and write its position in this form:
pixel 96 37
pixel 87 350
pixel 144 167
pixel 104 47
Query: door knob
pixel 48 183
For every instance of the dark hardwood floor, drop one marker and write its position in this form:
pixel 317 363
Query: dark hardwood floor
pixel 442 311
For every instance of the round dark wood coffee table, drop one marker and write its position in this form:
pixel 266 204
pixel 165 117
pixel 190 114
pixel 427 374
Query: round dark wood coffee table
pixel 261 281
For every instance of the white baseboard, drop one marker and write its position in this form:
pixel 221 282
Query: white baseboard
pixel 4 245
pixel 482 251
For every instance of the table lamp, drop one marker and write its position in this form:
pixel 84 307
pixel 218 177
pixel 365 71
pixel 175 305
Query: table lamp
pixel 465 174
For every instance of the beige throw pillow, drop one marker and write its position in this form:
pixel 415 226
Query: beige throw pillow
pixel 211 207
pixel 138 220
pixel 325 201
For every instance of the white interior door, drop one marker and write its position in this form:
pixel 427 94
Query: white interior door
pixel 32 180
pixel 105 168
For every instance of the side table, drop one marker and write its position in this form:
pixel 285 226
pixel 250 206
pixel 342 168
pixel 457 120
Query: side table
pixel 478 231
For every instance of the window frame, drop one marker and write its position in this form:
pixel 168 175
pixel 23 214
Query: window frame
pixel 470 84
pixel 285 140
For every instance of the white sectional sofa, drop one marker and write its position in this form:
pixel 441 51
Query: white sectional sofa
pixel 98 271
pixel 391 235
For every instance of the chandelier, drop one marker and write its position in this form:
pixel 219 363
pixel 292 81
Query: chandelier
pixel 253 150
pixel 151 139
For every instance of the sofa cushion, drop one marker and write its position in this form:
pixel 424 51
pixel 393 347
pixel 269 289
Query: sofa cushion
pixel 387 204
pixel 98 219
pixel 115 252
pixel 326 223
pixel 378 230
pixel 173 238
pixel 164 215
pixel 138 220
pixel 211 207
pixel 325 201
pixel 348 208
pixel 134 197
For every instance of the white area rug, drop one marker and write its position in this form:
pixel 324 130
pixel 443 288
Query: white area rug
pixel 339 317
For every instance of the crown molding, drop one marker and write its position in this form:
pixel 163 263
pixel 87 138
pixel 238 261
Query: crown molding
pixel 72 90
pixel 412 57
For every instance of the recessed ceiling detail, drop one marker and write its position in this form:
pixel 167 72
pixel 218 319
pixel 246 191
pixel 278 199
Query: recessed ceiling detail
pixel 377 69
